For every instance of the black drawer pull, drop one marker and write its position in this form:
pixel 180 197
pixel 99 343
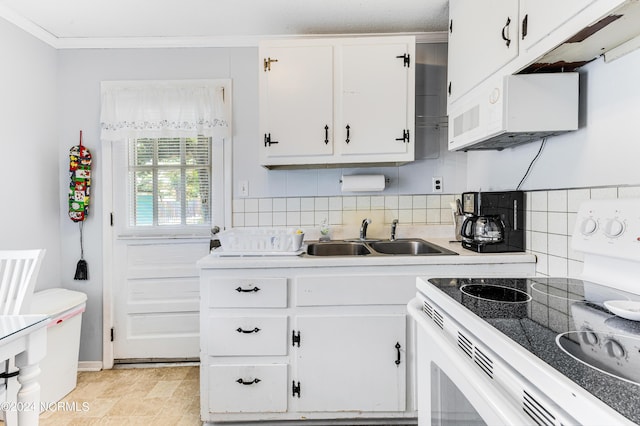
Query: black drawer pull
pixel 252 382
pixel 247 290
pixel 241 330
pixel 398 349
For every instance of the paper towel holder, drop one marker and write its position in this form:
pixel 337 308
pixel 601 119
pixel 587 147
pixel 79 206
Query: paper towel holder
pixel 363 183
pixel 386 179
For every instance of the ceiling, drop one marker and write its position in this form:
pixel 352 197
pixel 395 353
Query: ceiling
pixel 105 23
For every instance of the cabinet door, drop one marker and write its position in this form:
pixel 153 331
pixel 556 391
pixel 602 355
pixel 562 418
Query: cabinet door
pixel 351 363
pixel 374 99
pixel 483 37
pixel 296 101
pixel 540 17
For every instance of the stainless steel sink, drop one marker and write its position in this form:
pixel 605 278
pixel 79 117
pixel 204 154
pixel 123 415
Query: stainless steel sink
pixel 413 247
pixel 407 247
pixel 337 248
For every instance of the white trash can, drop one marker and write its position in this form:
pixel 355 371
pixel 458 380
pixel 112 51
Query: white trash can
pixel 59 368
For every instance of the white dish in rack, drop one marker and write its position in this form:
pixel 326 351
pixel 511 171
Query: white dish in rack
pixel 629 309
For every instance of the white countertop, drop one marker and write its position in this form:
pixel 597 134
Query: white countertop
pixel 464 257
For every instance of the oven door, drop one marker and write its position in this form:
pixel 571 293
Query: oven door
pixel 451 391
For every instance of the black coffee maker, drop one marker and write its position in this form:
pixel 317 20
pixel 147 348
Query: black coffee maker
pixel 494 221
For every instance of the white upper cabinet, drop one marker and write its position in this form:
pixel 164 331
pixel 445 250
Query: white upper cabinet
pixel 296 101
pixel 492 39
pixel 374 101
pixel 538 18
pixel 337 101
pixel 483 37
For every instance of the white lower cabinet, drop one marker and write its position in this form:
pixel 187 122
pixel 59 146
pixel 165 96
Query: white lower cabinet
pixel 351 363
pixel 247 388
pixel 247 335
pixel 305 346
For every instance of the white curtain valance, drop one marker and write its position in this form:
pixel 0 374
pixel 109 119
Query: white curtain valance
pixel 153 109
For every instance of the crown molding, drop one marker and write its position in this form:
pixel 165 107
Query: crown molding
pixel 174 42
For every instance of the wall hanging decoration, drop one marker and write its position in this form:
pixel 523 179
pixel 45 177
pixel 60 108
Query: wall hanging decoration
pixel 79 193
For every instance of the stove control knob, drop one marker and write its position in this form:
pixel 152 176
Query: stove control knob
pixel 613 228
pixel 614 349
pixel 589 337
pixel 589 226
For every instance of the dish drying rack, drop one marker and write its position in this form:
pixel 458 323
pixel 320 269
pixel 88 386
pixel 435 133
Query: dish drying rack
pixel 260 241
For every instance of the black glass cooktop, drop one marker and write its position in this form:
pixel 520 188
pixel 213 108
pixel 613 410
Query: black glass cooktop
pixel 565 323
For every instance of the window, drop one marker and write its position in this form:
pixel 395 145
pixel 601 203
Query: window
pixel 169 182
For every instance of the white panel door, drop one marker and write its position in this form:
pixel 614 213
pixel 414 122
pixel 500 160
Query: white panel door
pixel 296 101
pixel 351 363
pixel 374 99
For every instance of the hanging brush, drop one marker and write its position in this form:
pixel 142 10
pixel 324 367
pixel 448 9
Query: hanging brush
pixel 82 272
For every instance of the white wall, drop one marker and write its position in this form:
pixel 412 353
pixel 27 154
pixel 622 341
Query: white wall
pixel 29 153
pixel 604 151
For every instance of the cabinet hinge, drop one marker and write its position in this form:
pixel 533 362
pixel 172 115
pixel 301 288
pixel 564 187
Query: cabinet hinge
pixel 406 58
pixel 267 64
pixel 111 218
pixel 267 140
pixel 295 338
pixel 295 389
pixel 405 136
pixel 113 334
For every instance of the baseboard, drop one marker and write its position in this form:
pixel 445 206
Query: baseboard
pixel 89 365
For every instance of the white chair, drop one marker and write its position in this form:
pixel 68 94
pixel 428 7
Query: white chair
pixel 18 274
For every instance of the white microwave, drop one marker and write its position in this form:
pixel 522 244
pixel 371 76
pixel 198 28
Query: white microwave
pixel 514 109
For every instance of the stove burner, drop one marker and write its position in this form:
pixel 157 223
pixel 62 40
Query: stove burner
pixel 565 290
pixel 495 293
pixel 605 353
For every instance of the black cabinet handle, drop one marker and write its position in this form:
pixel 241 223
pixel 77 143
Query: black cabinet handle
pixel 251 382
pixel 326 135
pixel 241 330
pixel 248 290
pixel 267 140
pixel 398 349
pixel 525 25
pixel 348 128
pixel 450 26
pixel 505 32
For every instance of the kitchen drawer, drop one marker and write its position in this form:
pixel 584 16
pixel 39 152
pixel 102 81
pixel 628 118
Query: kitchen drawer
pixel 354 290
pixel 248 293
pixel 247 335
pixel 248 388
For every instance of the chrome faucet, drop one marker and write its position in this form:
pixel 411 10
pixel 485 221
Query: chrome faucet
pixel 363 228
pixel 394 225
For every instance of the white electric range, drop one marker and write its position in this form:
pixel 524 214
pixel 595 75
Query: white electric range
pixel 538 350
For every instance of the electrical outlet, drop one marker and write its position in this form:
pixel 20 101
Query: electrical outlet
pixel 436 184
pixel 243 187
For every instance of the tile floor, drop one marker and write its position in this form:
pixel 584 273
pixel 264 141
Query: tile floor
pixel 131 396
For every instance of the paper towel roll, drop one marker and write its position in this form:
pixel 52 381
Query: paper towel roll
pixel 360 183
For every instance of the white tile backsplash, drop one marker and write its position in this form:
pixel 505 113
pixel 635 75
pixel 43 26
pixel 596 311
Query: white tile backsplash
pixel 557 222
pixel 557 201
pixel 550 217
pixel 575 197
